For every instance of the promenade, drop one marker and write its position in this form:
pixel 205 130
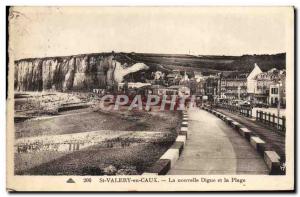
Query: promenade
pixel 215 148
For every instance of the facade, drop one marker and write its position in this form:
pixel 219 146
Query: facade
pixel 277 90
pixel 181 90
pixel 251 81
pixel 200 87
pixel 171 79
pixel 263 82
pixel 274 94
pixel 185 80
pixel 283 87
pixel 257 85
pixel 262 86
pixel 234 86
pixel 193 85
pixel 158 89
pixel 198 76
pixel 132 85
pixel 174 78
pixel 212 87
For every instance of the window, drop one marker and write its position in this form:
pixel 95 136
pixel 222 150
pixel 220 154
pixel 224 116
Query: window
pixel 274 90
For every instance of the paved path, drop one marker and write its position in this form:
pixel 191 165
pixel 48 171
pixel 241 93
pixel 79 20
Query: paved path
pixel 274 141
pixel 215 148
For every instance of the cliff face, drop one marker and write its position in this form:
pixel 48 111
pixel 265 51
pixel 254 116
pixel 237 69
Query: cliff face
pixel 82 72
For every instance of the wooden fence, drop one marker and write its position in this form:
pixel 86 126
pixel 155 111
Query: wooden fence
pixel 263 117
pixel 271 120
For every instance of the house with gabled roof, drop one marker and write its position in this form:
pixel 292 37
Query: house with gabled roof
pixel 251 81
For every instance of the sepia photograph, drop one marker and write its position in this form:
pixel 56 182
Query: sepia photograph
pixel 150 98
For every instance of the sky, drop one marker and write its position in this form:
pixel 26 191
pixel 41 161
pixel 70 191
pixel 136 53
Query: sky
pixel 61 31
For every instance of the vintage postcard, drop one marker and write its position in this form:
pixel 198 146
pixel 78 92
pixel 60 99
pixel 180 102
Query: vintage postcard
pixel 150 99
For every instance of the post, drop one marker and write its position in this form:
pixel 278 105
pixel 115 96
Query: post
pixel 283 123
pixel 266 117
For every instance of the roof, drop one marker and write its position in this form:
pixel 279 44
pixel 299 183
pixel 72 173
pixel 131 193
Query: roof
pixel 171 75
pixel 235 75
pixel 272 70
pixel 270 75
pixel 266 75
pixel 256 70
pixel 176 86
pixel 157 86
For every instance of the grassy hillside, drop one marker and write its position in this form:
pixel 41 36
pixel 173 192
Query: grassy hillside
pixel 210 64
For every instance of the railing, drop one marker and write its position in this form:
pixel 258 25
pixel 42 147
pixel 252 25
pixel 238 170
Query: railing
pixel 263 117
pixel 271 120
pixel 245 111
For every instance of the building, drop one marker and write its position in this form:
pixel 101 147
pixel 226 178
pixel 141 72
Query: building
pixel 263 82
pixel 174 78
pixel 181 90
pixel 197 84
pixel 277 90
pixel 193 85
pixel 198 76
pixel 212 87
pixel 158 78
pixel 233 85
pixel 132 85
pixel 283 87
pixel 158 89
pixel 274 94
pixel 251 81
pixel 261 86
pixel 185 80
pixel 171 78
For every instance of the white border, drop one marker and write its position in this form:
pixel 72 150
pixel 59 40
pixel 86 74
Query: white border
pixel 3 3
